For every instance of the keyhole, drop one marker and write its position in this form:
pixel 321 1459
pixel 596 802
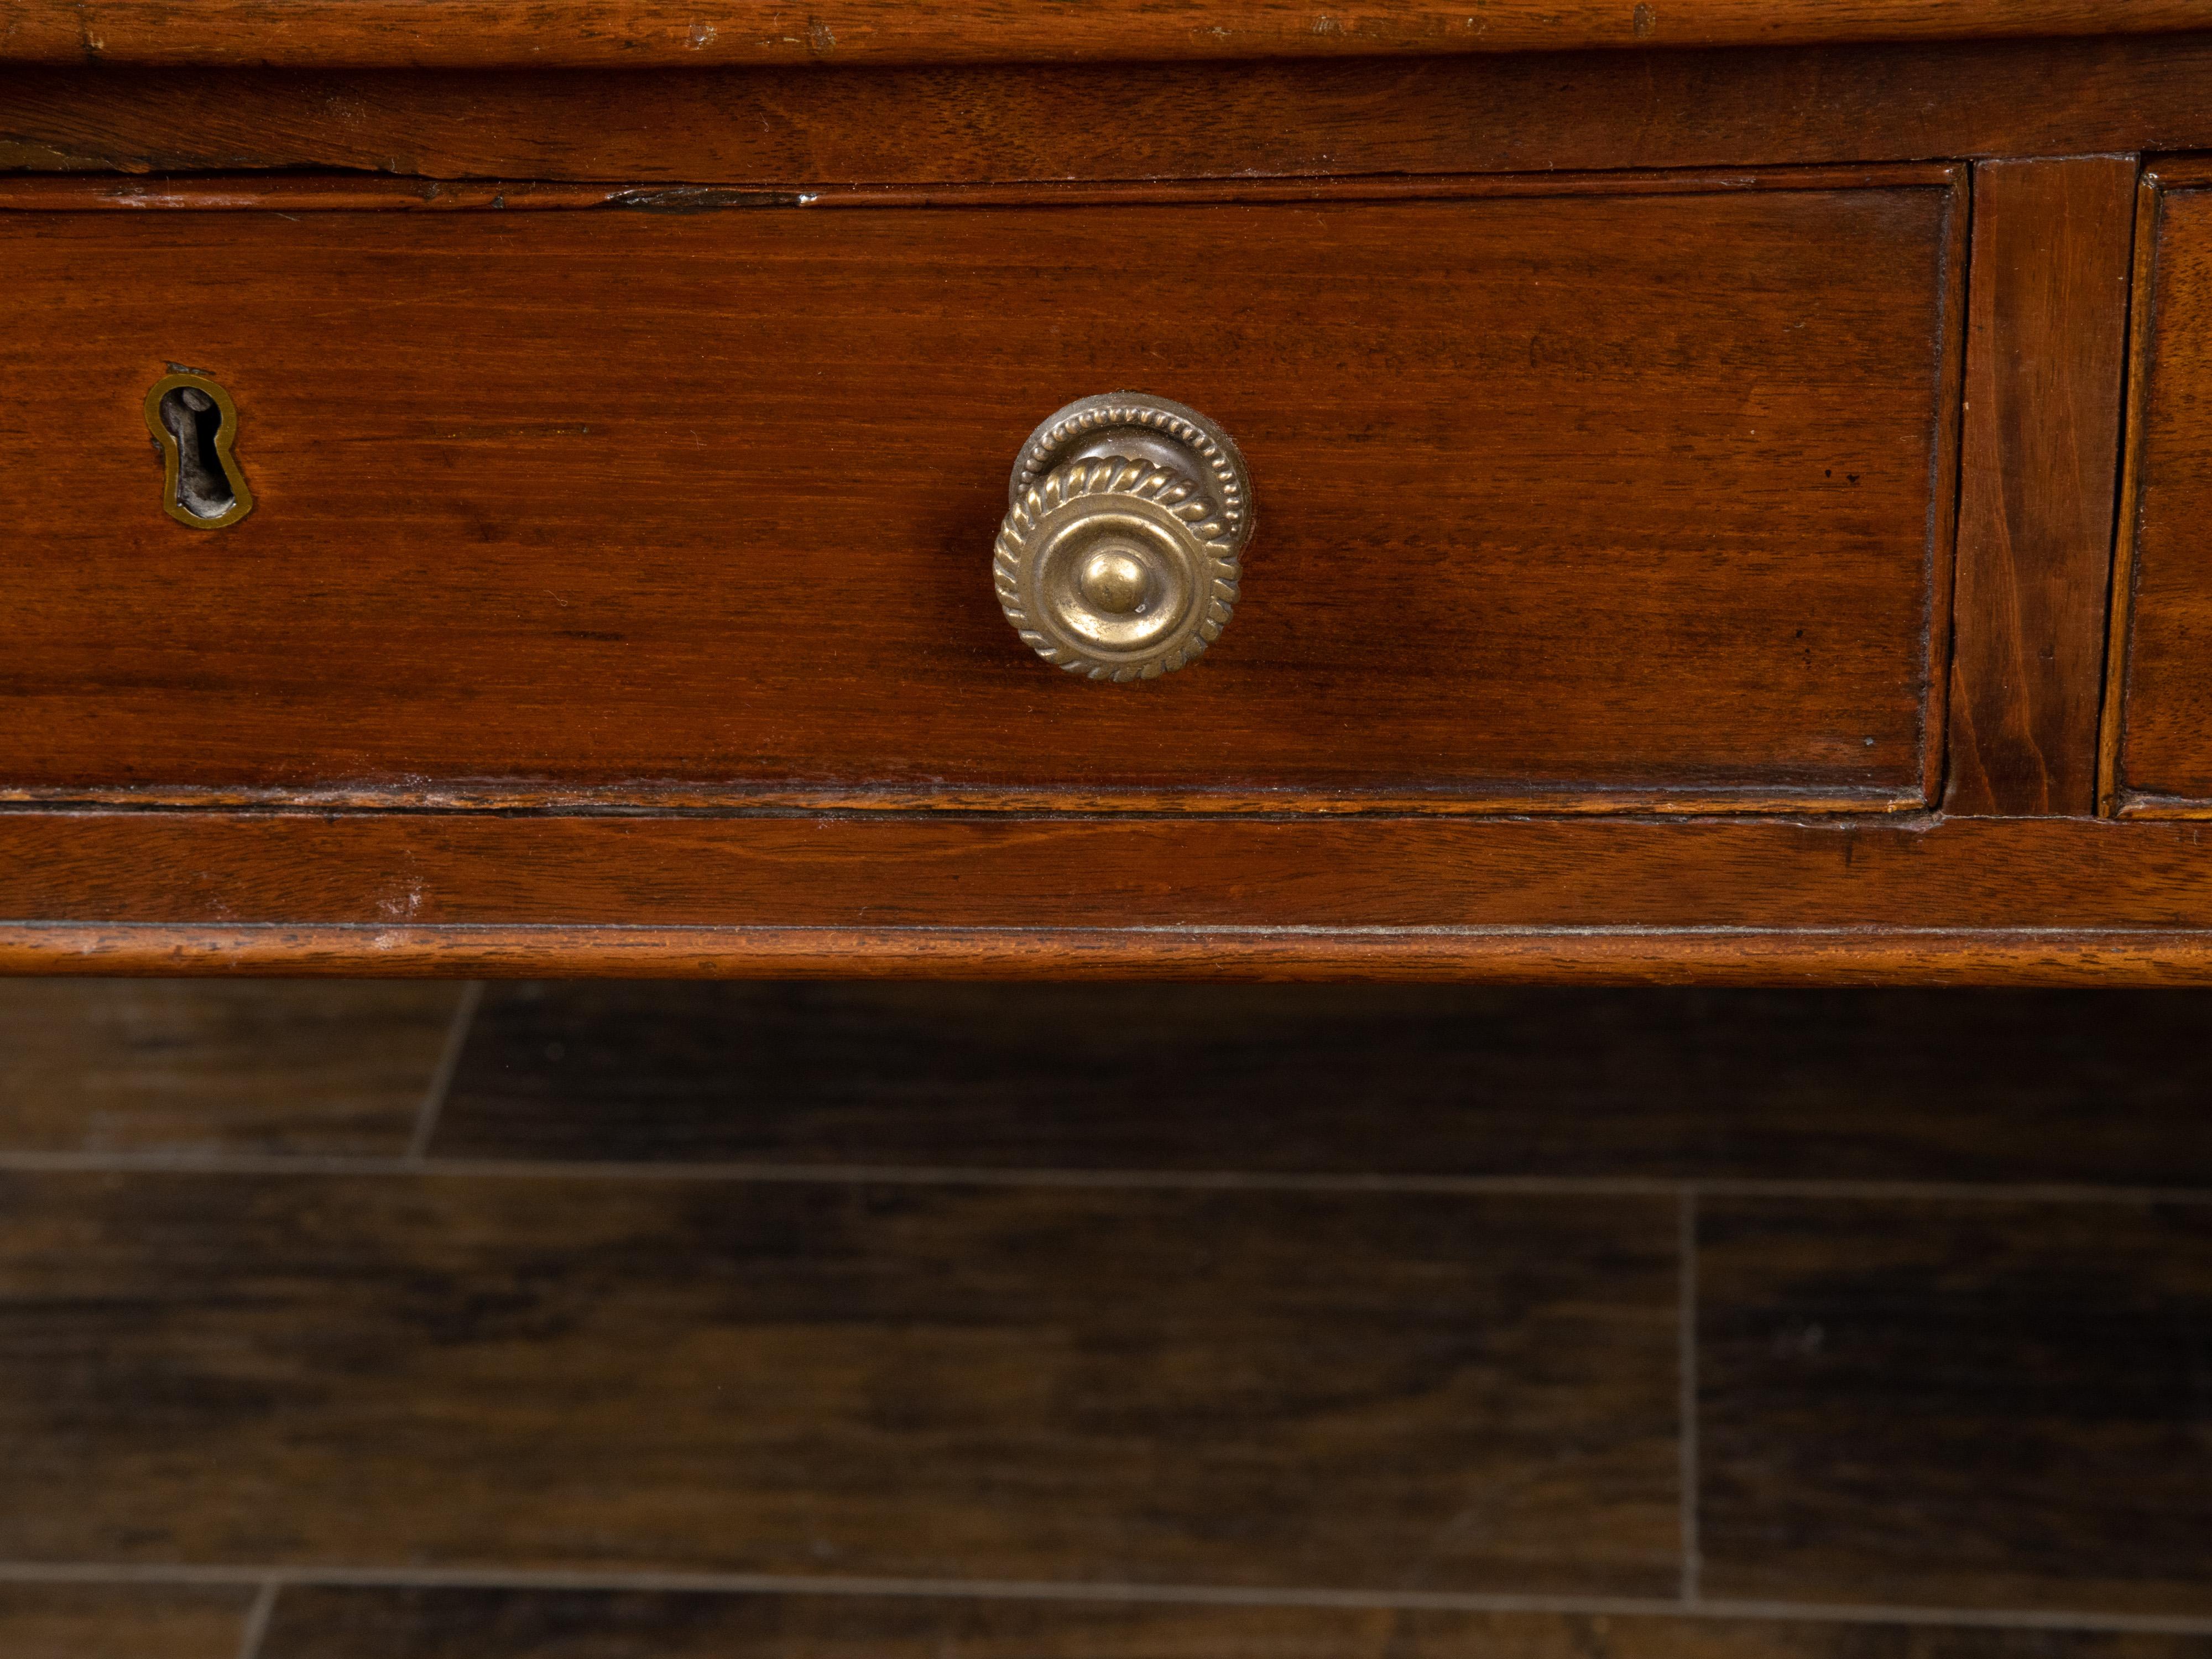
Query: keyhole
pixel 196 425
pixel 194 420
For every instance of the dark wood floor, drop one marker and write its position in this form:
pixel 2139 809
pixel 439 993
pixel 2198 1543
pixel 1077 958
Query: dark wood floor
pixel 582 1321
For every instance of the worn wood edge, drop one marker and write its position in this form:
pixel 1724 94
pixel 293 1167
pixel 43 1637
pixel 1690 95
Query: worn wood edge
pixel 1590 956
pixel 2120 603
pixel 375 194
pixel 1116 873
pixel 739 801
pixel 2143 803
pixel 422 33
pixel 784 128
pixel 2186 172
pixel 1954 324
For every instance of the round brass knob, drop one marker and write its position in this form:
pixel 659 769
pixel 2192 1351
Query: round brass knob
pixel 1121 551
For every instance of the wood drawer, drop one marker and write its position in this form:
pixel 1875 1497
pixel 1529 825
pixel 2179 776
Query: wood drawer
pixel 1622 493
pixel 2158 735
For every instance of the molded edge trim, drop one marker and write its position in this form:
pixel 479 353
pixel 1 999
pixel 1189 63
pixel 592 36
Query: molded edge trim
pixel 644 33
pixel 1869 956
pixel 340 192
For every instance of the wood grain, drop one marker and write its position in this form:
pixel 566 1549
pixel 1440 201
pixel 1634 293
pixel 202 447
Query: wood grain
pixel 835 1378
pixel 2069 1087
pixel 387 872
pixel 149 1065
pixel 1568 956
pixel 51 192
pixel 784 581
pixel 2111 725
pixel 1103 122
pixel 2158 761
pixel 470 1624
pixel 620 34
pixel 1978 1404
pixel 2047 325
pixel 122 1621
pixel 2015 900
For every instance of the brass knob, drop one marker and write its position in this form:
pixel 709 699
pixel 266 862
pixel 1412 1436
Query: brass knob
pixel 1126 524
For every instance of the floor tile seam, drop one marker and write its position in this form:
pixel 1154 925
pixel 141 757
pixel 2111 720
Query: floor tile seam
pixel 1685 1431
pixel 256 1630
pixel 242 1163
pixel 440 1085
pixel 275 1578
pixel 33 1161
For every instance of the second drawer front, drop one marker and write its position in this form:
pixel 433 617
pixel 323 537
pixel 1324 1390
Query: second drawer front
pixel 1600 496
pixel 2159 764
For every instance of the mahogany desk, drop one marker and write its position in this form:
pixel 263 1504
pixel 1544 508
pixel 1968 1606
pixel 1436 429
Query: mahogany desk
pixel 1708 490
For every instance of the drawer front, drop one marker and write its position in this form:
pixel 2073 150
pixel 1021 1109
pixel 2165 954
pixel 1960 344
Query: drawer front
pixel 2158 718
pixel 1616 494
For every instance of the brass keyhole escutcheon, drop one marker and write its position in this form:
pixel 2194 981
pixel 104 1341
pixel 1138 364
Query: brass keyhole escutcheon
pixel 196 424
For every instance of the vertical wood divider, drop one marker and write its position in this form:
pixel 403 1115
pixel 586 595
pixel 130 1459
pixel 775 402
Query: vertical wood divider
pixel 2045 355
pixel 2142 314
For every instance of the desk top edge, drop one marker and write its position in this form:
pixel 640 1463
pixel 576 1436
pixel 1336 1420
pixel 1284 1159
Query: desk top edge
pixel 663 33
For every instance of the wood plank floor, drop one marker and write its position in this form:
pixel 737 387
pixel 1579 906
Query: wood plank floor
pixel 578 1322
pixel 1676 1084
pixel 190 1066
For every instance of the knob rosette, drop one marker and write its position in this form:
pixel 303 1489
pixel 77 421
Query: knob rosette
pixel 1121 552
